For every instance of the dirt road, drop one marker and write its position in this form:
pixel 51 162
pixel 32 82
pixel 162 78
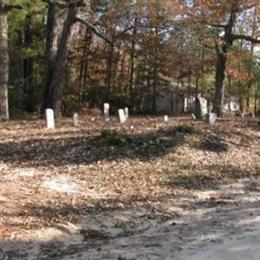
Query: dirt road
pixel 219 224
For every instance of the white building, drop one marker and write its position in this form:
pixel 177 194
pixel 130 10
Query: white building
pixel 232 106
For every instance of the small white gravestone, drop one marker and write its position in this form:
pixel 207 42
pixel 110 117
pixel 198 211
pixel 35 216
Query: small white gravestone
pixel 166 118
pixel 121 114
pixel 204 107
pixel 193 116
pixel 76 119
pixel 131 129
pixel 126 112
pixel 49 114
pixel 211 118
pixel 106 111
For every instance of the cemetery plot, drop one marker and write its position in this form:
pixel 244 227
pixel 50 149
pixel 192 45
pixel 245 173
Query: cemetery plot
pixel 107 190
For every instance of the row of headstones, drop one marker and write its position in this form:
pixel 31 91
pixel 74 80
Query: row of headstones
pixel 203 113
pixel 50 121
pixel 122 113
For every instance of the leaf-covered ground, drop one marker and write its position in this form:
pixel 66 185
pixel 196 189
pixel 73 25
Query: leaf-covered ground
pixel 75 192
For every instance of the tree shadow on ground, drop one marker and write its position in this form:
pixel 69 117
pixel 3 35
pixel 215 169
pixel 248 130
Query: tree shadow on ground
pixel 209 176
pixel 213 143
pixel 219 141
pixel 109 145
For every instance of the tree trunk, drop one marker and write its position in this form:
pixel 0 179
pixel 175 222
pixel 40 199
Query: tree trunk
pixel 84 64
pixel 60 62
pixel 248 96
pixel 132 60
pixel 154 94
pixel 255 98
pixel 28 88
pixel 110 59
pixel 4 64
pixel 250 82
pixel 222 48
pixel 51 52
pixel 219 81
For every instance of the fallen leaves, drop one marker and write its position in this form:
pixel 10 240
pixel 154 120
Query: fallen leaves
pixel 68 173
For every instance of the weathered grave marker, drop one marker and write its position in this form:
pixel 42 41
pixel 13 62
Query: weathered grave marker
pixel 106 111
pixel 49 114
pixel 131 129
pixel 126 112
pixel 211 118
pixel 166 118
pixel 122 117
pixel 76 119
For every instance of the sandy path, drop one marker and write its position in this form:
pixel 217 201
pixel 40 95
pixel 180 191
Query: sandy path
pixel 225 227
pixel 220 224
pixel 242 247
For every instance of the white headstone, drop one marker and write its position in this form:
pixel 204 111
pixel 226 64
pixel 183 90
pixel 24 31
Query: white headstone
pixel 211 118
pixel 165 118
pixel 204 107
pixel 49 114
pixel 106 111
pixel 126 112
pixel 76 119
pixel 121 114
pixel 131 128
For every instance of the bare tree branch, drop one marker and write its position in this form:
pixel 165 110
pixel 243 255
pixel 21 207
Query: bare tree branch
pixel 101 35
pixel 94 29
pixel 217 25
pixel 245 37
pixel 125 30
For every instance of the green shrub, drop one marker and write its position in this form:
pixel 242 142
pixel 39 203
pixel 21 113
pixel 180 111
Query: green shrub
pixel 185 129
pixel 112 137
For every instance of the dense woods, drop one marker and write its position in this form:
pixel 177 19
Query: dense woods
pixel 72 54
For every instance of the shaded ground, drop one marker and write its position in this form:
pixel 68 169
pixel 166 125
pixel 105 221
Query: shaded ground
pixel 112 192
